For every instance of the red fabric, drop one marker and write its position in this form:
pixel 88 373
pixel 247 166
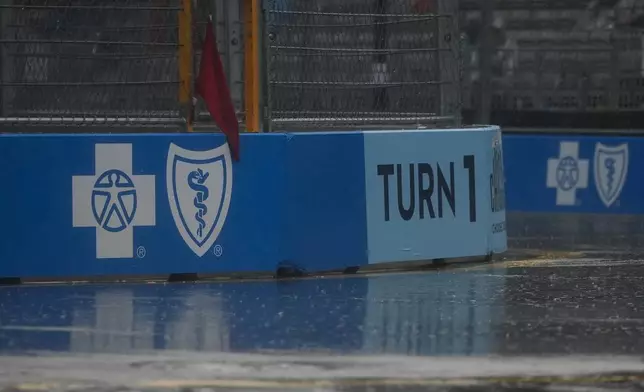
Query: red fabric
pixel 211 85
pixel 425 6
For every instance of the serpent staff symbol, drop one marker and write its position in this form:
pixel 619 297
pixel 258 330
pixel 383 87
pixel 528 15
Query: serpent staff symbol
pixel 610 173
pixel 196 180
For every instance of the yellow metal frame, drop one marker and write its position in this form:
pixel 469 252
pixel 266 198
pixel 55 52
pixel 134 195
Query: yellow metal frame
pixel 186 61
pixel 251 10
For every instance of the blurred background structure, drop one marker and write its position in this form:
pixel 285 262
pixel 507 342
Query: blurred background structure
pixel 303 64
pixel 547 63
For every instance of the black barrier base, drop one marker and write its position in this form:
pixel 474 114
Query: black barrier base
pixel 289 271
pixel 351 270
pixel 10 281
pixel 186 277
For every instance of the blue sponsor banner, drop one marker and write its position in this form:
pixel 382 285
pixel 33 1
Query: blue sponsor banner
pixel 157 204
pixel 574 173
pixel 105 205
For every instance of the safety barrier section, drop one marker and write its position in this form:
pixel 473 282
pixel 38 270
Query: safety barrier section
pixel 574 173
pixel 156 204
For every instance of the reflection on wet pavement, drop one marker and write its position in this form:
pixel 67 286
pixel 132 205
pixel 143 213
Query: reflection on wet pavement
pixel 418 314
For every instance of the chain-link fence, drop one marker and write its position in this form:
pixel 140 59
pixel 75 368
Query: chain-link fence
pixel 558 63
pixel 362 63
pixel 89 62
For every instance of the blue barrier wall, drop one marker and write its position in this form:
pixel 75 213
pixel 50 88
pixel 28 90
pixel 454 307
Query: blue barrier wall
pixel 124 204
pixel 573 173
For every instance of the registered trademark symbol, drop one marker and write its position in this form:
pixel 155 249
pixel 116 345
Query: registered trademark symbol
pixel 218 250
pixel 141 252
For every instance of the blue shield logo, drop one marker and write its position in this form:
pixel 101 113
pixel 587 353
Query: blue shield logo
pixel 611 168
pixel 199 186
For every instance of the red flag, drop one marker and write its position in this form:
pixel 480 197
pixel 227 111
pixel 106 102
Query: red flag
pixel 211 85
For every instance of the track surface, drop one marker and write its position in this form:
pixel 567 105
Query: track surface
pixel 557 320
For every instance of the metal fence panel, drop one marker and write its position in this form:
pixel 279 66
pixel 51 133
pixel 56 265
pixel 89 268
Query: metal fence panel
pixel 90 62
pixel 362 63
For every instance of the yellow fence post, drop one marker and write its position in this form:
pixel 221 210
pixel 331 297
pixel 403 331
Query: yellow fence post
pixel 186 61
pixel 251 11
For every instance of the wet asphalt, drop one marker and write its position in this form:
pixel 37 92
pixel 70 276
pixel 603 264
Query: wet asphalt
pixel 563 310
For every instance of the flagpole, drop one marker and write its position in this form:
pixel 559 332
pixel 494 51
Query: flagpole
pixel 185 63
pixel 251 11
